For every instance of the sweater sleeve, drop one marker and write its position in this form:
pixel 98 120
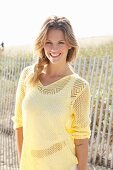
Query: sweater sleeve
pixel 80 112
pixel 20 93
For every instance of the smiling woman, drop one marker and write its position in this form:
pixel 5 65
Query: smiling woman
pixel 52 107
pixel 56 48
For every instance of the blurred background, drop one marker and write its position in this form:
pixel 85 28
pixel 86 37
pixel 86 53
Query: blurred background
pixel 21 19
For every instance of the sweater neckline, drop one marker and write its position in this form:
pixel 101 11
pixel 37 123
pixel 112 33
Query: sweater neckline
pixel 55 82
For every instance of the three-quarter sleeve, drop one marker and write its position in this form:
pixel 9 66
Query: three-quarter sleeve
pixel 80 112
pixel 20 93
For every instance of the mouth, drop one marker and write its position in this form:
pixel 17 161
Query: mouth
pixel 55 55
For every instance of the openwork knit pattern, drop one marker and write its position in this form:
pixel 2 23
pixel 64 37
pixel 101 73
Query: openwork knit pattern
pixel 80 95
pixel 52 116
pixel 49 151
pixel 54 88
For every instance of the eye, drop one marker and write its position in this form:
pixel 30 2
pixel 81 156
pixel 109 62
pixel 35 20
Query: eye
pixel 61 42
pixel 48 42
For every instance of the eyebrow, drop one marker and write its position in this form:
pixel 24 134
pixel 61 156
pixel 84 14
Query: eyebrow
pixel 58 41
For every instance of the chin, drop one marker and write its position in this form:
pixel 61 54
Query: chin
pixel 55 61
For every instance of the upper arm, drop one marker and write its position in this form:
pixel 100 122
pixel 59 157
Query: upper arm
pixel 80 110
pixel 20 93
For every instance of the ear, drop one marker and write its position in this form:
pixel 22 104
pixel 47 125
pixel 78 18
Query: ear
pixel 69 48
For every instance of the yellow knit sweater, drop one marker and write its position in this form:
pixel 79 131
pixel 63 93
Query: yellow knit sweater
pixel 52 116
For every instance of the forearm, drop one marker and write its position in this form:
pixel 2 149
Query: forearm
pixel 81 151
pixel 19 141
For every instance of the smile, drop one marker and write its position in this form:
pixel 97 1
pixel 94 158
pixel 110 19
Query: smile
pixel 55 55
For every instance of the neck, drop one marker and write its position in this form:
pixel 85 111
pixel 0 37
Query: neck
pixel 53 70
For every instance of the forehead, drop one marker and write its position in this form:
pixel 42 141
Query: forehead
pixel 55 34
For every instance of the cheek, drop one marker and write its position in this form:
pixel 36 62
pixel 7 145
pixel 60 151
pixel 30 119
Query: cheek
pixel 65 50
pixel 46 49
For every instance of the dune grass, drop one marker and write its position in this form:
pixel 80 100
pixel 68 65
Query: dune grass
pixel 89 47
pixel 101 50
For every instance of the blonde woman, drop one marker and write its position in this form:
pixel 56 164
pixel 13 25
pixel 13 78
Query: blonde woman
pixel 51 121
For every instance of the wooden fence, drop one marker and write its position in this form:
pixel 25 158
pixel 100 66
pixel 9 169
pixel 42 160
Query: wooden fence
pixel 98 72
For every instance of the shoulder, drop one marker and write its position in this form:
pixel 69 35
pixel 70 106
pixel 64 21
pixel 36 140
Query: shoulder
pixel 26 71
pixel 79 81
pixel 79 85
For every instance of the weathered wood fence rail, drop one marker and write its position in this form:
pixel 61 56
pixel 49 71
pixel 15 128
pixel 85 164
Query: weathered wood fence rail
pixel 98 72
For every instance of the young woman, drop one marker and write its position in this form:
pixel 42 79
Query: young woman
pixel 52 107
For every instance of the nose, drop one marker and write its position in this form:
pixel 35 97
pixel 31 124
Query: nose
pixel 54 48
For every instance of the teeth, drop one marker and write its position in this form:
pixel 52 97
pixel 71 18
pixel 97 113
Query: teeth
pixel 55 55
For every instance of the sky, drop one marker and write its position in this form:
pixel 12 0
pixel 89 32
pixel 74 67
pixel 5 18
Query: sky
pixel 21 20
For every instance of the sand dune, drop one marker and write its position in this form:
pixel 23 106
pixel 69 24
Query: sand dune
pixel 95 41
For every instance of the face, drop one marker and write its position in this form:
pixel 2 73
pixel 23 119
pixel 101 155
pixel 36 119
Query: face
pixel 56 47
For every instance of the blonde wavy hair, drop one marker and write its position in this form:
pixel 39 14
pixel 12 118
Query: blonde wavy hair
pixel 53 22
